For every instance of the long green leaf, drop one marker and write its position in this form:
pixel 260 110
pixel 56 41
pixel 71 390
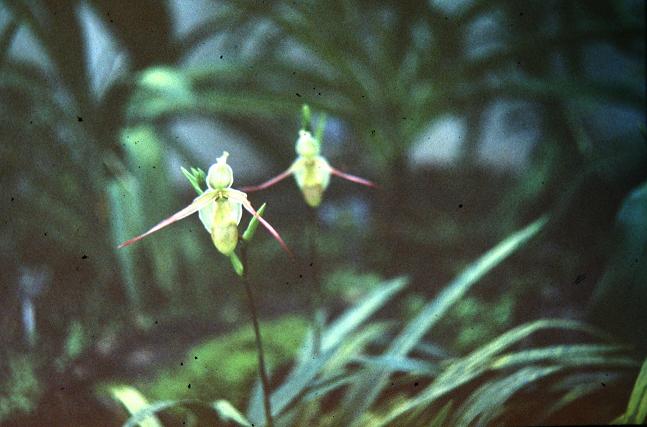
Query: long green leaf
pixel 362 396
pixel 574 387
pixel 487 401
pixel 308 366
pixel 637 408
pixel 229 413
pixel 208 413
pixel 134 402
pixel 479 361
pixel 567 355
pixel 354 317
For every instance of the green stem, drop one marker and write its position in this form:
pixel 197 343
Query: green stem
pixel 259 344
pixel 315 277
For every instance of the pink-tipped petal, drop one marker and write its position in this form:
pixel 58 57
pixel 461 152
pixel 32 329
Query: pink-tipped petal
pixel 352 178
pixel 241 198
pixel 198 203
pixel 269 228
pixel 280 177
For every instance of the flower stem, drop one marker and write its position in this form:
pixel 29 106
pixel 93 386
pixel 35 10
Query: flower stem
pixel 315 277
pixel 259 344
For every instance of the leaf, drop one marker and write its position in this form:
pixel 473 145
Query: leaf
pixel 574 387
pixel 441 417
pixel 248 235
pixel 636 412
pixel 567 355
pixel 148 411
pixel 350 320
pixel 6 38
pixel 361 397
pixel 487 401
pixel 228 412
pixel 308 366
pixel 398 364
pixel 463 370
pixel 125 220
pixel 321 127
pixel 207 413
pixel 134 402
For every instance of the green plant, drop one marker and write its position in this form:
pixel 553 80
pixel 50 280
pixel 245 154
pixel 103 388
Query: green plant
pixel 312 173
pixel 86 159
pixel 637 406
pixel 220 208
pixel 382 385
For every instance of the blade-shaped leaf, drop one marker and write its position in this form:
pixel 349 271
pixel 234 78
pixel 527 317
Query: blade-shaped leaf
pixel 228 413
pixel 134 402
pixel 479 361
pixel 637 408
pixel 308 366
pixel 366 391
pixel 486 402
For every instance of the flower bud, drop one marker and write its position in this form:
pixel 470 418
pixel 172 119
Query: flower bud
pixel 220 175
pixel 307 146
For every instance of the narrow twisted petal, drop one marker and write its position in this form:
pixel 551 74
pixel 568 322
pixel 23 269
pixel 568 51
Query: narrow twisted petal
pixel 280 177
pixel 352 178
pixel 197 204
pixel 241 197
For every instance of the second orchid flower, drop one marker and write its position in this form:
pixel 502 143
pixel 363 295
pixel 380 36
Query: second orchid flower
pixel 311 171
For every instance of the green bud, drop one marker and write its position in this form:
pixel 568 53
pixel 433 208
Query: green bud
pixel 220 175
pixel 305 116
pixel 307 146
pixel 253 224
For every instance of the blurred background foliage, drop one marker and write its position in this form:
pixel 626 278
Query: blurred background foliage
pixel 474 116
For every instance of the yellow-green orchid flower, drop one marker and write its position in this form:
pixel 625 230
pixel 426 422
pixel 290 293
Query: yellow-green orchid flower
pixel 311 171
pixel 220 209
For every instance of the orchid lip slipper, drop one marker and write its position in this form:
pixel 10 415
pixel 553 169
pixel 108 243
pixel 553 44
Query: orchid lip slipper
pixel 220 209
pixel 311 171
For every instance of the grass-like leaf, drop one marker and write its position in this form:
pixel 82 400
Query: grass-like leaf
pixel 308 367
pixel 366 391
pixel 467 369
pixel 229 413
pixel 637 408
pixel 134 402
pixel 567 355
pixel 487 401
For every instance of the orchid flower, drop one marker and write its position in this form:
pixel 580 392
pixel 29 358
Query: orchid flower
pixel 311 171
pixel 220 209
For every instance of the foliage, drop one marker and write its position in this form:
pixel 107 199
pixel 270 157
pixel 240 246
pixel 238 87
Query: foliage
pixel 20 387
pixel 637 407
pixel 495 372
pixel 89 146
